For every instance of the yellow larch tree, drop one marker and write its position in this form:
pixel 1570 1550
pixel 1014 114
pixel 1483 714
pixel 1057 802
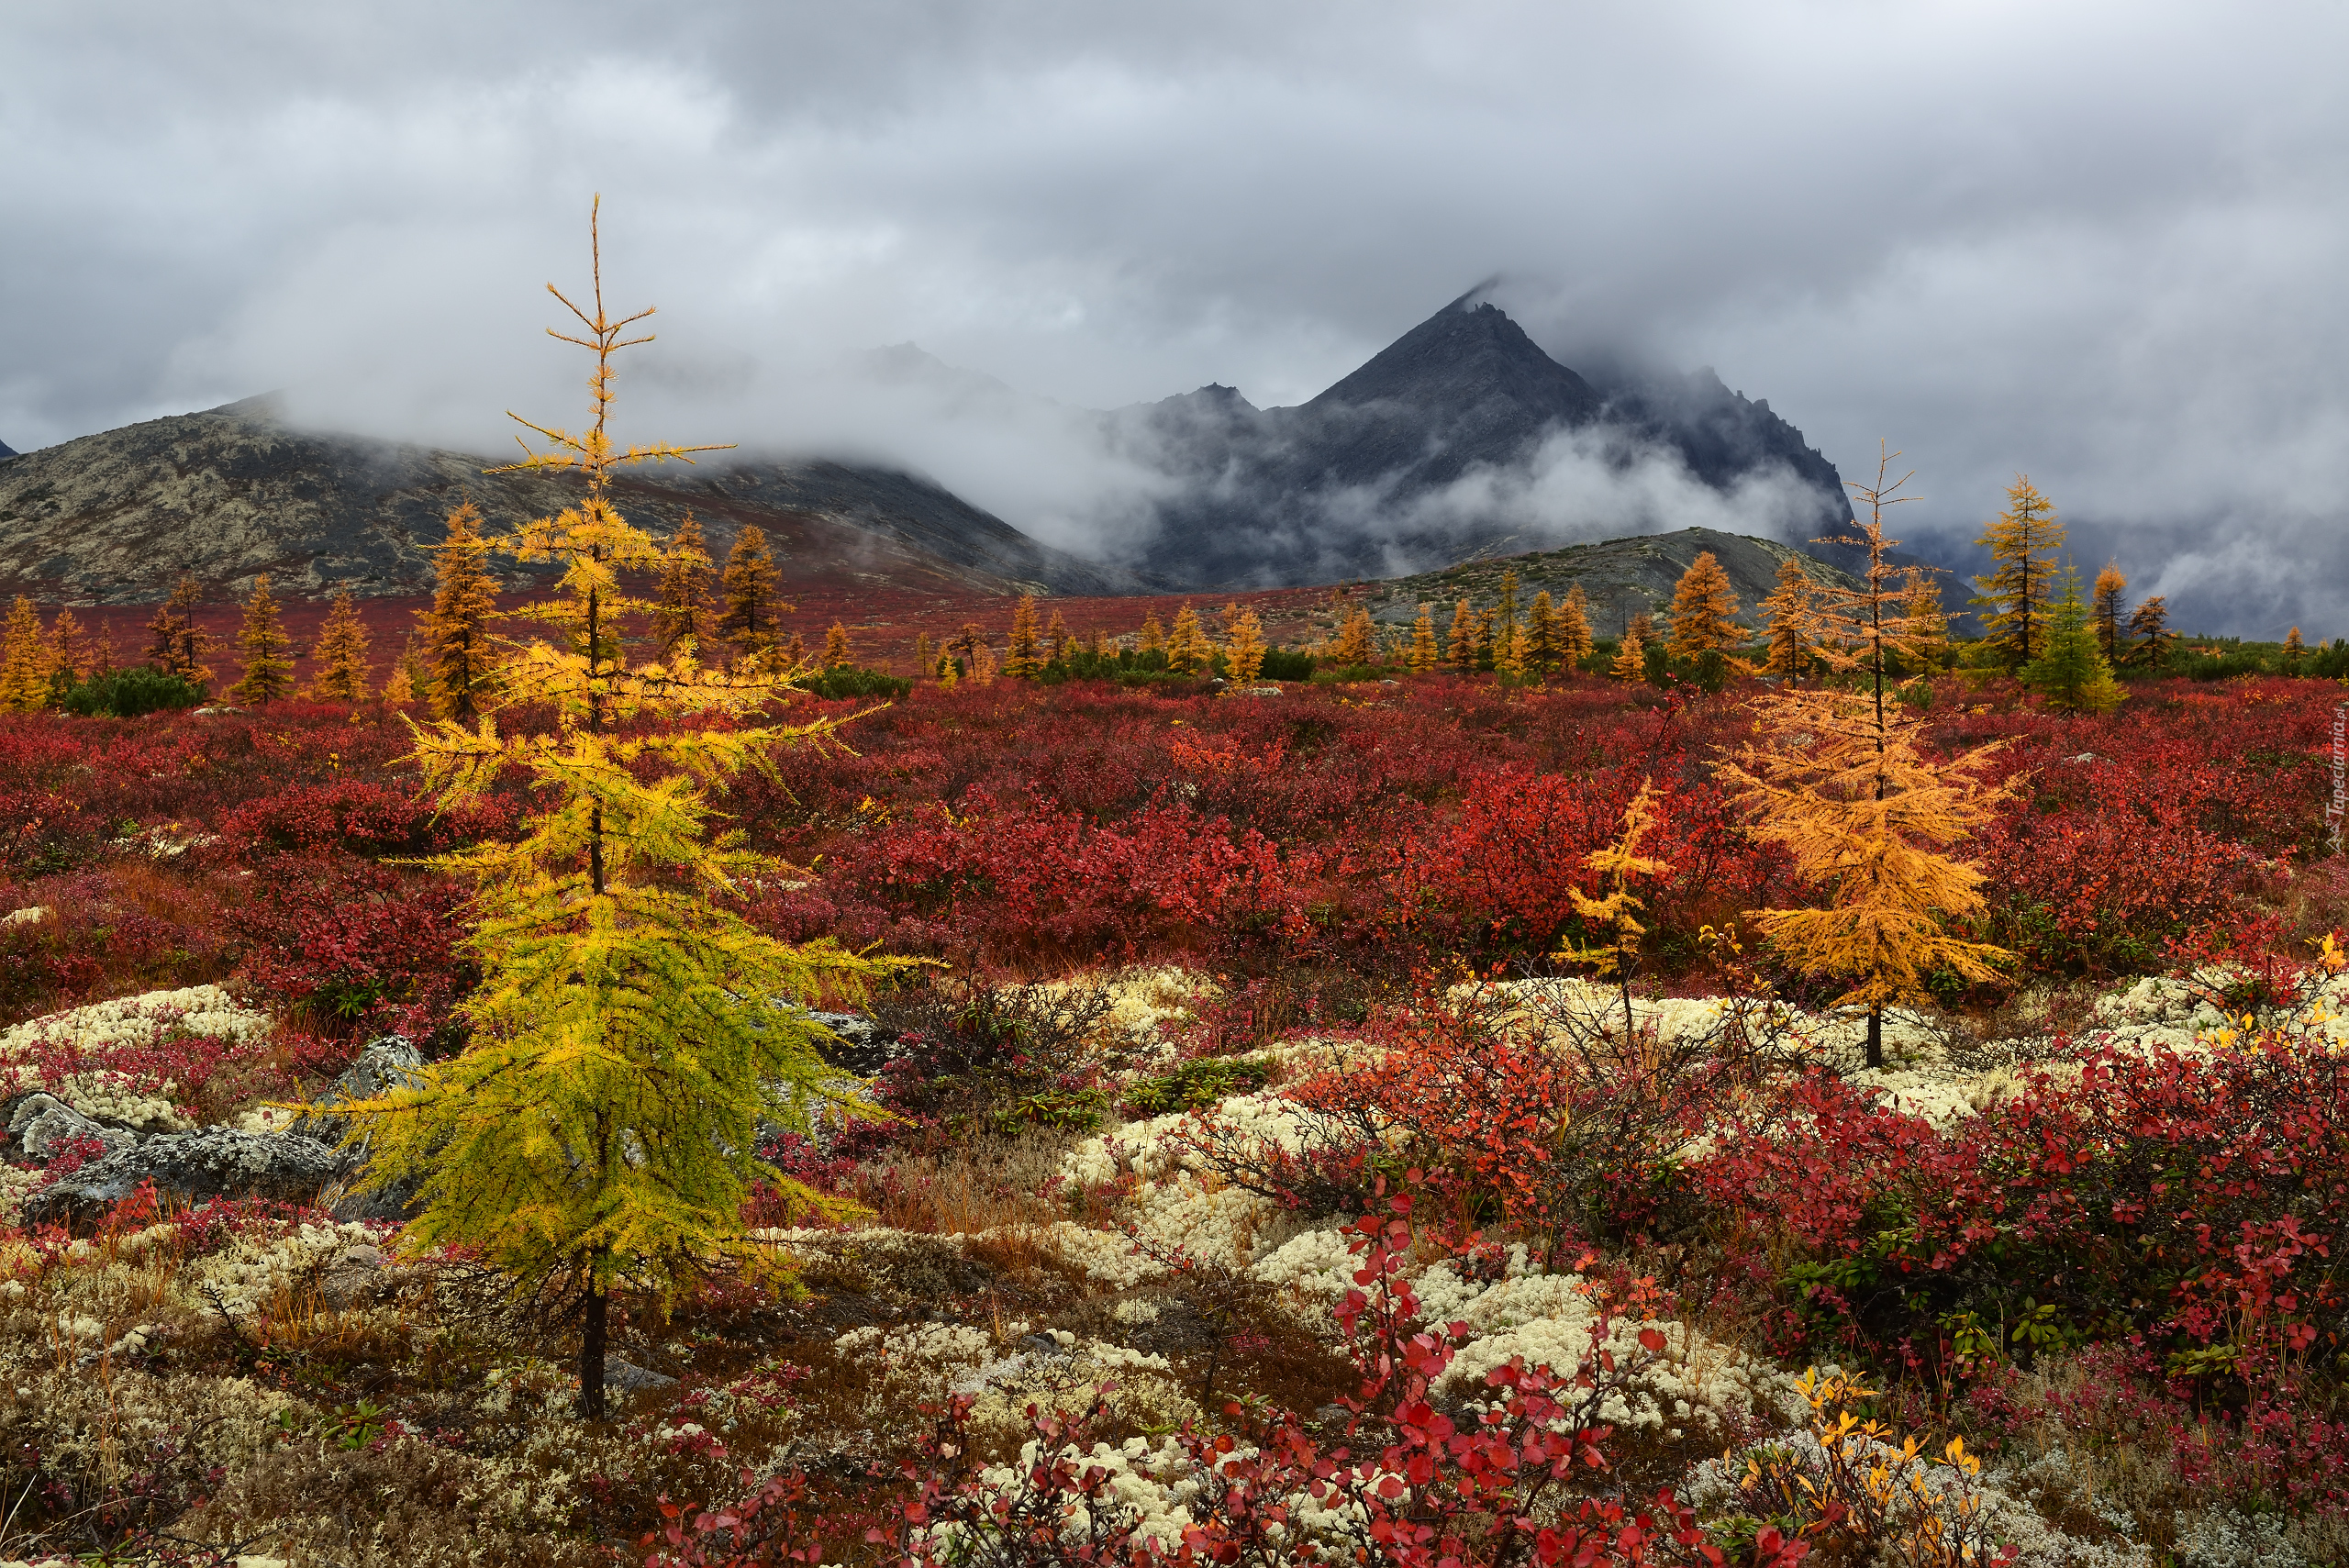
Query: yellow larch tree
pixel 1423 656
pixel 836 648
pixel 1244 646
pixel 1842 780
pixel 1929 623
pixel 681 607
pixel 1153 636
pixel 1786 616
pixel 458 658
pixel 2109 585
pixel 1704 611
pixel 1504 614
pixel 73 654
pixel 1059 641
pixel 1508 656
pixel 747 587
pixel 1575 641
pixel 1356 642
pixel 341 673
pixel 1616 910
pixel 1631 658
pixel 175 644
pixel 1541 634
pixel 411 677
pixel 2023 542
pixel 25 665
pixel 2294 651
pixel 1023 658
pixel 1483 636
pixel 2150 638
pixel 266 652
pixel 1189 651
pixel 631 1031
pixel 1459 647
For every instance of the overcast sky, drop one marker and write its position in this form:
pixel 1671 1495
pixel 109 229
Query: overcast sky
pixel 2103 244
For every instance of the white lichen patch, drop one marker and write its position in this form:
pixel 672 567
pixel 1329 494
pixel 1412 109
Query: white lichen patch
pixel 249 1275
pixel 1049 1370
pixel 135 1021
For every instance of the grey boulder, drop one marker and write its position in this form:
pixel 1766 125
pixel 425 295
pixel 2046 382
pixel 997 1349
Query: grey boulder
pixel 215 1162
pixel 628 1378
pixel 859 1045
pixel 386 1062
pixel 43 1125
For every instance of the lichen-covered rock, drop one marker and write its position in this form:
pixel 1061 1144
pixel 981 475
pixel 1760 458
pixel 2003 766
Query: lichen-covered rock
pixel 628 1377
pixel 864 1047
pixel 42 1125
pixel 215 1163
pixel 385 1063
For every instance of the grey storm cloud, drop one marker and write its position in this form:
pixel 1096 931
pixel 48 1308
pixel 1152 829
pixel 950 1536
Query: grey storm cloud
pixel 2102 244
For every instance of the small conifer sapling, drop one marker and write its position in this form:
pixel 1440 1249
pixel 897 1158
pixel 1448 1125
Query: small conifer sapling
pixel 2023 542
pixel 1424 655
pixel 1631 658
pixel 1842 780
pixel 681 609
pixel 1575 641
pixel 1704 611
pixel 175 644
pixel 748 586
pixel 24 664
pixel 1245 646
pixel 266 651
pixel 630 1032
pixel 340 655
pixel 1023 658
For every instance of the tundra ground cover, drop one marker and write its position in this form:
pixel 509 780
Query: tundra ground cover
pixel 2083 1223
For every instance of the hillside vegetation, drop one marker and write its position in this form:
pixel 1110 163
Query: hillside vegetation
pixel 1226 975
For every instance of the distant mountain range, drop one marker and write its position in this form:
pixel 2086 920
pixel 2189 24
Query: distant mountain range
pixel 1460 441
pixel 221 495
pixel 1433 450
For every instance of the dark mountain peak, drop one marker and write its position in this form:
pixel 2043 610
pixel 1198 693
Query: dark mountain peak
pixel 1463 355
pixel 1214 397
pixel 6 451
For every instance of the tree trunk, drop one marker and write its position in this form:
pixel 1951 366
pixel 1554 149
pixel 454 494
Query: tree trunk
pixel 591 1354
pixel 1876 1037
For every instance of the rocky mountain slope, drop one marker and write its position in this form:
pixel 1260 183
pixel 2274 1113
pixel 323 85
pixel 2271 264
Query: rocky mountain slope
pixel 1621 577
pixel 223 494
pixel 1397 467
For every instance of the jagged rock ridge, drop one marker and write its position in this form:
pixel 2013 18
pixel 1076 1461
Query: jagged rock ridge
pixel 1376 475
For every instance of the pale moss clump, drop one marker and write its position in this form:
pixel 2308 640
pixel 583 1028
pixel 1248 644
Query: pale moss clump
pixel 249 1273
pixel 1051 1369
pixel 204 1010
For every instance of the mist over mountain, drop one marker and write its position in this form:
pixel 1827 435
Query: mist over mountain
pixel 235 490
pixel 1460 437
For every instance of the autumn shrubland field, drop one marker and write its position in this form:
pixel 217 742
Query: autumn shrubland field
pixel 1146 1082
